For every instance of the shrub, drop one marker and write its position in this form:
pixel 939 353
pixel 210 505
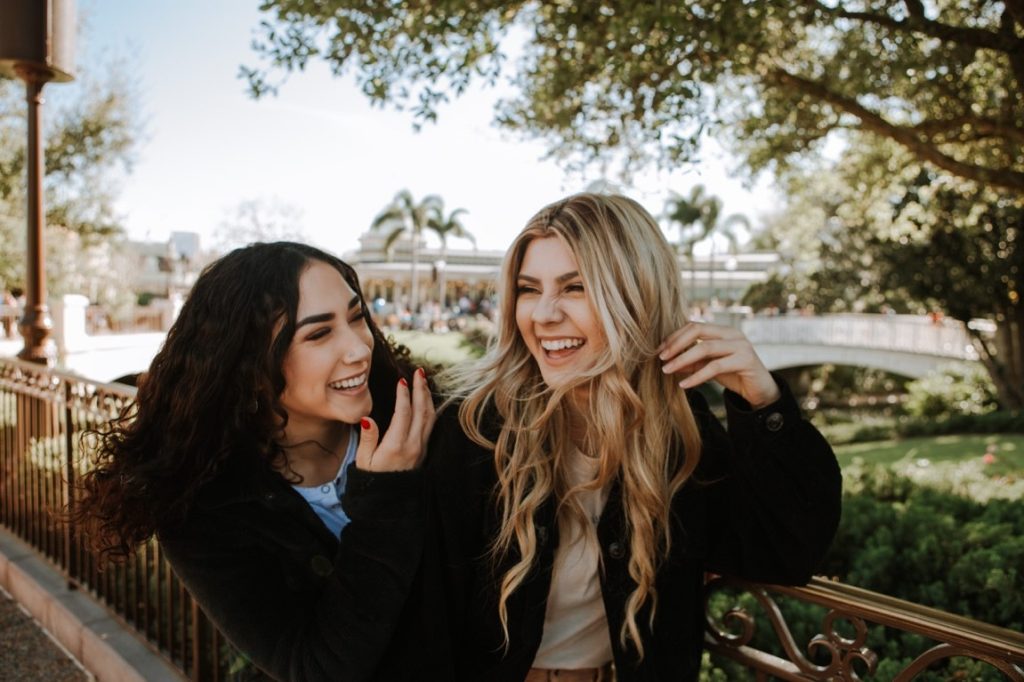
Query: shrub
pixel 1003 421
pixel 955 389
pixel 925 546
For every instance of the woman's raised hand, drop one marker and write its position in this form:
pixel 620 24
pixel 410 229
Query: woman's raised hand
pixel 710 351
pixel 405 441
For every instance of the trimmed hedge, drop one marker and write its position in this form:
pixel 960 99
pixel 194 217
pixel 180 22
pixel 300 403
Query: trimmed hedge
pixel 925 546
pixel 1004 421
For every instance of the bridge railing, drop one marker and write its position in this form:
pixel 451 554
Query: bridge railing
pixel 909 333
pixel 44 414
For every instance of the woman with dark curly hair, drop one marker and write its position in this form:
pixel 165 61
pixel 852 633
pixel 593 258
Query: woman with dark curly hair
pixel 251 452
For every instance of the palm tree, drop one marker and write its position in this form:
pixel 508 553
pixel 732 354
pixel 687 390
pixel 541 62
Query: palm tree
pixel 405 216
pixel 445 227
pixel 698 218
pixel 726 228
pixel 692 214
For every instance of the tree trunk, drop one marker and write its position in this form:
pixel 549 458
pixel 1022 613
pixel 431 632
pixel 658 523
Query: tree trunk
pixel 1002 354
pixel 414 302
pixel 441 276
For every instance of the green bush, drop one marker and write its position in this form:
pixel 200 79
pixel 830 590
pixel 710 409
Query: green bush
pixel 1004 421
pixel 952 390
pixel 870 430
pixel 922 545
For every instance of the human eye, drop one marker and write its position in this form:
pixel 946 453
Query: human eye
pixel 525 289
pixel 574 287
pixel 318 333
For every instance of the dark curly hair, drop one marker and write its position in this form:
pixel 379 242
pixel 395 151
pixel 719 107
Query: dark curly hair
pixel 211 395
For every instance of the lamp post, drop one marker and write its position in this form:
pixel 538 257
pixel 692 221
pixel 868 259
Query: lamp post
pixel 36 46
pixel 439 266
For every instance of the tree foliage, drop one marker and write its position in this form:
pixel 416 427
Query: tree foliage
pixel 943 79
pixel 406 217
pixel 878 230
pixel 445 226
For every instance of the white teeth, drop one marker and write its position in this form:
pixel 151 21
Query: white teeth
pixel 349 383
pixel 561 344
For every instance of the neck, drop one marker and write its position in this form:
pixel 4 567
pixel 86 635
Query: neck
pixel 314 453
pixel 578 427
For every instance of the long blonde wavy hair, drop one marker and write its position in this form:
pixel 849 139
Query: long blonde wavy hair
pixel 638 421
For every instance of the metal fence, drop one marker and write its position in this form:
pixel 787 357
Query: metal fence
pixel 839 650
pixel 43 415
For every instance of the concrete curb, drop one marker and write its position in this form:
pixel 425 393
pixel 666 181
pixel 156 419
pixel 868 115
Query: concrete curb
pixel 102 645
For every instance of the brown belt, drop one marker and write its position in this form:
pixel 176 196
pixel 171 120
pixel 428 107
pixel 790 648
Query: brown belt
pixel 602 674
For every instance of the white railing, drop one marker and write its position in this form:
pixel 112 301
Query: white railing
pixel 905 333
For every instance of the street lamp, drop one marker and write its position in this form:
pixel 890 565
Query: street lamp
pixel 36 46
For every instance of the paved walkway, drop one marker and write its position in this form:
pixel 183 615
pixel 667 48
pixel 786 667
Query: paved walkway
pixel 27 653
pixel 104 647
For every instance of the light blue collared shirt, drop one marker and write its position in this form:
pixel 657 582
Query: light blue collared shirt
pixel 326 499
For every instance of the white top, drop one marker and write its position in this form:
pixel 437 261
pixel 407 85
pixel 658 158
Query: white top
pixel 575 626
pixel 326 499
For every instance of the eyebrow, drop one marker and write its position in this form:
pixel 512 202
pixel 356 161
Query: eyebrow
pixel 560 279
pixel 324 317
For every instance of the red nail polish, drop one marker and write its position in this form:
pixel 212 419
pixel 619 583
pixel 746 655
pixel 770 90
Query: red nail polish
pixel 365 423
pixel 403 382
pixel 422 372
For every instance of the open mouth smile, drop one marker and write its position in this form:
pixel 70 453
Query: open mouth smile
pixel 351 383
pixel 556 349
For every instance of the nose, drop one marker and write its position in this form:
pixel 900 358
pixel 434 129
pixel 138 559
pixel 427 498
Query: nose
pixel 354 348
pixel 547 310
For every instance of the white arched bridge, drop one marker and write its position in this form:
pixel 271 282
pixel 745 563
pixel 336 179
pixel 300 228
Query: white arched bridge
pixel 909 345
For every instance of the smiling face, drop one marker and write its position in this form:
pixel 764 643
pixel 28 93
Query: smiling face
pixel 554 314
pixel 327 365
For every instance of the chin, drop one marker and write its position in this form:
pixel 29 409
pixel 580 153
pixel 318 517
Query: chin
pixel 353 414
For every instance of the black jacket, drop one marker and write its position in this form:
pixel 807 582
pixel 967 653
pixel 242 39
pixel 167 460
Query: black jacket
pixel 764 504
pixel 301 604
pixel 408 593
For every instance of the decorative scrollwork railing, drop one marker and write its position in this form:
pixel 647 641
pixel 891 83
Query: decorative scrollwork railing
pixel 835 655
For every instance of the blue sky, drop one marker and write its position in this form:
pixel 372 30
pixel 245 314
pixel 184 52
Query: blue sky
pixel 319 146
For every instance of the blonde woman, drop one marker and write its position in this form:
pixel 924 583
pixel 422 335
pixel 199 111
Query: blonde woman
pixel 584 482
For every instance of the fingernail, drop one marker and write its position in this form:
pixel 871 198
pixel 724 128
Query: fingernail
pixel 403 382
pixel 365 423
pixel 422 372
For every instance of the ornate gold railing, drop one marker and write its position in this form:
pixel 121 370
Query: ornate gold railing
pixel 836 655
pixel 43 414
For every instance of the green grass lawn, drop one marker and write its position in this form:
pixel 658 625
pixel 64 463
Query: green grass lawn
pixel 954 462
pixel 1008 449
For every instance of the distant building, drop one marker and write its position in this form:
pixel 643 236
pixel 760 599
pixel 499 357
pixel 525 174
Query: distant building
pixel 467 272
pixel 168 267
pixel 474 273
